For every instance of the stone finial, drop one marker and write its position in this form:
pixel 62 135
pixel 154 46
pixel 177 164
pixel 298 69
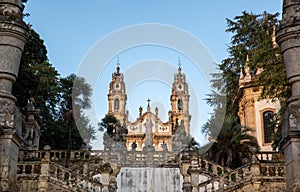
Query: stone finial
pixel 47 148
pixel 241 79
pixel 247 77
pixel 127 115
pixel 274 37
pixel 258 71
pixel 156 111
pixel 241 74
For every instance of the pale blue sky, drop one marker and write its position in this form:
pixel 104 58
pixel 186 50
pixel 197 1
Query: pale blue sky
pixel 72 28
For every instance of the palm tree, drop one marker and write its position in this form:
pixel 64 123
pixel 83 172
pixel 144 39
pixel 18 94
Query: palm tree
pixel 232 144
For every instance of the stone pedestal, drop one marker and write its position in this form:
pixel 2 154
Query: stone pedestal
pixel 45 166
pixel 9 152
pixel 288 37
pixel 13 35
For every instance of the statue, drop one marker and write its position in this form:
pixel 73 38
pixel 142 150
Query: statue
pixel 133 146
pixel 148 140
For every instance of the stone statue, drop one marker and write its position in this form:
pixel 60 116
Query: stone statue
pixel 148 140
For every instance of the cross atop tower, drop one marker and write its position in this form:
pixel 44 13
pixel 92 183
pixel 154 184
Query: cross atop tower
pixel 179 65
pixel 118 66
pixel 148 107
pixel 118 62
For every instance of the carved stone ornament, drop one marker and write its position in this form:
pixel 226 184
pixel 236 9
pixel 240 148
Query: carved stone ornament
pixel 294 117
pixel 11 11
pixel 6 113
pixel 249 103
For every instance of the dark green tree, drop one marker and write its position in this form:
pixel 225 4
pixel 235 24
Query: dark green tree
pixel 40 82
pixel 232 144
pixel 108 124
pixel 253 37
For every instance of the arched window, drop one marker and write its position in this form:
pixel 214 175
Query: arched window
pixel 268 122
pixel 116 105
pixel 179 104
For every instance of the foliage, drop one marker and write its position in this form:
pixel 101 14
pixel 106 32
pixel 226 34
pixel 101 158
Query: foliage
pixel 232 144
pixel 108 123
pixel 40 82
pixel 253 37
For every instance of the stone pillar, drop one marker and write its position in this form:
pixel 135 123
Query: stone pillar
pixel 113 185
pixel 288 37
pixel 194 171
pixel 44 176
pixel 106 171
pixel 13 35
pixel 255 171
pixel 184 166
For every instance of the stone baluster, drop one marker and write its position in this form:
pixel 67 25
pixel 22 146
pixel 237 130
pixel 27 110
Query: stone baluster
pixel 221 183
pixel 44 176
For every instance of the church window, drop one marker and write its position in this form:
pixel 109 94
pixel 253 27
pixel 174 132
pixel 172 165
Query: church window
pixel 116 105
pixel 179 104
pixel 268 123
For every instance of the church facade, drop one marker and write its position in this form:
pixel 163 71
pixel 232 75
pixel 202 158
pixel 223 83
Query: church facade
pixel 161 136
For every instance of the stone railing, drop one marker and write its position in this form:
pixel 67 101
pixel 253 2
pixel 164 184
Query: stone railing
pixel 274 170
pixel 58 176
pixel 123 158
pixel 244 176
pixel 32 169
pixel 207 167
pixel 269 157
pixel 211 168
pixel 226 181
pixel 61 176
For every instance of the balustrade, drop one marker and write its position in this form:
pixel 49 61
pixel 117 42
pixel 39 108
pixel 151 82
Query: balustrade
pixel 65 177
pixel 218 177
pixel 269 156
pixel 29 169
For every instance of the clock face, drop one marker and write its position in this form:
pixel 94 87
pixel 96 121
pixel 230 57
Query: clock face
pixel 117 86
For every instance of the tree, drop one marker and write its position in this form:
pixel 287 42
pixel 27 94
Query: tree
pixel 75 97
pixel 108 123
pixel 232 145
pixel 253 37
pixel 40 82
pixel 37 78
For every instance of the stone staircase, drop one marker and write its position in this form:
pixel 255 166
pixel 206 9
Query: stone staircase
pixel 97 170
pixel 265 167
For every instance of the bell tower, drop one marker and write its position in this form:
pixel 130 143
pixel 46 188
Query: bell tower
pixel 117 95
pixel 180 101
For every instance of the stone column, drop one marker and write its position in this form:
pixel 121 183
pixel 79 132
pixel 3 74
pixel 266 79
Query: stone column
pixel 288 37
pixel 13 35
pixel 184 166
pixel 194 170
pixel 44 176
pixel 113 185
pixel 106 171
